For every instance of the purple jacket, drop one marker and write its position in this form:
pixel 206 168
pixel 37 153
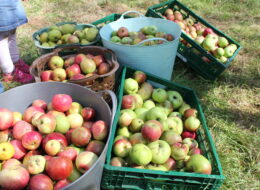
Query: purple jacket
pixel 12 14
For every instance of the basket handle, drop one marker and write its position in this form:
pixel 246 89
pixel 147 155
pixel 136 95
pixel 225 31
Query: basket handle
pixel 114 101
pixel 127 12
pixel 151 39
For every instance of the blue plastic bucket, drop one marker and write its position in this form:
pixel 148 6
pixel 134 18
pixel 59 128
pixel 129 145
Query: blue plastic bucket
pixel 156 59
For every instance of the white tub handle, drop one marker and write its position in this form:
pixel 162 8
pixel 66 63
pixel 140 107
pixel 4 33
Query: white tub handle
pixel 151 39
pixel 127 12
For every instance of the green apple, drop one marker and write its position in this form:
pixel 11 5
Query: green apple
pixel 222 42
pixel 148 104
pixel 136 125
pixel 175 98
pixel 219 52
pixel 179 151
pixel 126 40
pixel 115 39
pixel 192 123
pixel 157 167
pixel 126 117
pixel 161 151
pixel 62 124
pixel 171 137
pixel 175 114
pixel 137 138
pixel 192 143
pixel 138 101
pixel 55 62
pixel 140 154
pixel 209 44
pixel 121 148
pixel 175 124
pixel 131 86
pixel 120 137
pixel 91 34
pixel 159 95
pixel 87 66
pixel 199 39
pixel 222 59
pixel 183 108
pixel 123 131
pixel 199 164
pixel 165 125
pixel 141 113
pixel 229 51
pixel 146 90
pixel 75 174
pixel 156 113
pixel 150 30
pixel 74 108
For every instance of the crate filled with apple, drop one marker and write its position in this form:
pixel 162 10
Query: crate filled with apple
pixel 50 145
pixel 125 37
pixel 160 133
pixel 207 50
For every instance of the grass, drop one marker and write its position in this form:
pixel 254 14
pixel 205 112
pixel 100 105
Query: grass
pixel 231 104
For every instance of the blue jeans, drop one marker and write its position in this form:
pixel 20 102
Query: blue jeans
pixel 12 14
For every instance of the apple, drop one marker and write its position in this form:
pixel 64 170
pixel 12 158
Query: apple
pixel 55 136
pixel 96 147
pixel 207 31
pixel 117 161
pixel 99 130
pixel 5 135
pixel 128 102
pixel 46 75
pixel 170 17
pixel 152 130
pixel 199 39
pixel 145 90
pixel 59 74
pixel 20 151
pixel 61 102
pixel 55 113
pixel 46 124
pixel 28 155
pixel 192 143
pixel 52 147
pixel 61 184
pixel 123 131
pixel 17 116
pixel 87 66
pixel 183 108
pixel 139 76
pixel 69 152
pixel 194 151
pixel 98 59
pixel 170 164
pixel 192 123
pixel 73 70
pixel 188 134
pixel 140 154
pixel 77 77
pixel 103 68
pixel 80 136
pixel 49 106
pixel 122 32
pixel 121 148
pixel 7 150
pixel 6 118
pixel 15 177
pixel 88 113
pixel 21 128
pixel 222 59
pixel 88 124
pixel 131 86
pixel 175 114
pixel 62 124
pixel 175 124
pixel 85 160
pixel 79 58
pixel 29 112
pixel 75 120
pixel 168 12
pixel 59 168
pixel 11 163
pixel 222 42
pixel 171 137
pixel 137 138
pixel 40 103
pixel 178 15
pixel 148 104
pixel 35 118
pixel 141 113
pixel 199 164
pixel 126 117
pixel 209 44
pixel 229 51
pixel 136 125
pixel 190 112
pixel 156 113
pixel 120 137
pixel 40 182
pixel 31 140
pixel 36 164
pixel 167 105
pixel 175 98
pixel 75 174
pixel 69 61
pixel 55 62
pixel 161 151
pixel 68 135
pixel 179 151
pixel 156 167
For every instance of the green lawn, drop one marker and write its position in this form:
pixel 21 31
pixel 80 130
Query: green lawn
pixel 231 104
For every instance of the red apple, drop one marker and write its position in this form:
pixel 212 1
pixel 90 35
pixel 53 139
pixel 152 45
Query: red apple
pixel 194 151
pixel 55 113
pixel 170 17
pixel 188 134
pixel 58 168
pixel 128 102
pixel 190 112
pixel 77 77
pixel 46 124
pixel 40 182
pixel 31 140
pixel 152 130
pixel 117 161
pixel 55 136
pixel 68 135
pixel 88 113
pixel 208 31
pixel 40 103
pixel 73 70
pixel 21 128
pixel 11 163
pixel 29 112
pixel 14 178
pixel 61 102
pixel 98 59
pixel 90 56
pixel 6 118
pixel 96 147
pixel 99 130
pixel 79 58
pixel 69 61
pixel 170 164
pixel 69 152
pixel 122 147
pixel 81 136
pixel 88 124
pixel 139 76
pixel 20 151
pixel 61 184
pixel 46 75
pixel 85 161
pixel 103 68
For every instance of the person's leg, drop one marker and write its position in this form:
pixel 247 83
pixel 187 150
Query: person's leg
pixel 14 51
pixel 6 63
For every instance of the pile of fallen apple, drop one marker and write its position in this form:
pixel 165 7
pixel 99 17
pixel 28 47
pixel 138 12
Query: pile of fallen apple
pixel 49 145
pixel 75 67
pixel 218 46
pixel 67 34
pixel 125 37
pixel 157 130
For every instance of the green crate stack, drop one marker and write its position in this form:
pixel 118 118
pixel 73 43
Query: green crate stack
pixel 209 68
pixel 132 178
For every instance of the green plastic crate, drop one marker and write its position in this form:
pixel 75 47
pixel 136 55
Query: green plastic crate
pixel 193 54
pixel 132 178
pixel 44 50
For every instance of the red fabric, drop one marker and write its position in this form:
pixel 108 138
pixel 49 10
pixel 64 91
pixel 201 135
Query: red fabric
pixel 22 73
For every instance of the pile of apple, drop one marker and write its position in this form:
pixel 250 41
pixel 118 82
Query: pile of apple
pixel 123 36
pixel 49 145
pixel 157 130
pixel 218 46
pixel 75 67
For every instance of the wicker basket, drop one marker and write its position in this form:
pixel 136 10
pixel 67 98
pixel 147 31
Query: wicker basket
pixel 95 82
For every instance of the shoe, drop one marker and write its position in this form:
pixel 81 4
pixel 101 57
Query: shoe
pixel 22 77
pixel 8 77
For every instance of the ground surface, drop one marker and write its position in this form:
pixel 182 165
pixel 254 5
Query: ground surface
pixel 231 104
